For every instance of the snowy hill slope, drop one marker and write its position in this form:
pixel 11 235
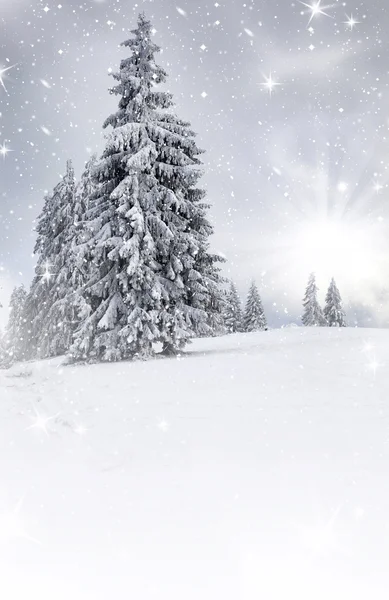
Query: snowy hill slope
pixel 254 467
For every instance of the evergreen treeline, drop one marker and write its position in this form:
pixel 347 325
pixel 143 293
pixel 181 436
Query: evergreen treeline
pixel 252 318
pixel 16 342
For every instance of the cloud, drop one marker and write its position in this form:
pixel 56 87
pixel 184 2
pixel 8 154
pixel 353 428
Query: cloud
pixel 9 6
pixel 321 62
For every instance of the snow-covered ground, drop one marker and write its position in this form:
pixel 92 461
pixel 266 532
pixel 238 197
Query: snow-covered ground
pixel 254 467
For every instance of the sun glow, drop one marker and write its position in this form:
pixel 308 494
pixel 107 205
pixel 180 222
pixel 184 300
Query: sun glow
pixel 332 248
pixel 329 221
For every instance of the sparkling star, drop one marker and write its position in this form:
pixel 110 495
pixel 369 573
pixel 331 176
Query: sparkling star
pixel 163 426
pixel 359 513
pixel 11 526
pixel 2 73
pixel 342 186
pixel 351 22
pixel 47 275
pixel 316 9
pixel 270 84
pixel 377 187
pixel 373 366
pixel 41 422
pixel 321 537
pixel 4 150
pixel 368 347
pixel 80 430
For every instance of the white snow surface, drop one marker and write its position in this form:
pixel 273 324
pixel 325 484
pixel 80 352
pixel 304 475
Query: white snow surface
pixel 255 466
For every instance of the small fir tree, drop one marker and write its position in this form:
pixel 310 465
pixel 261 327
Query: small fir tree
pixel 254 315
pixel 313 315
pixel 233 318
pixel 16 331
pixel 152 277
pixel 5 360
pixel 333 310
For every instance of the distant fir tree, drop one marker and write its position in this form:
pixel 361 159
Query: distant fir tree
pixel 51 310
pixel 333 310
pixel 313 315
pixel 254 316
pixel 16 331
pixel 152 278
pixel 3 349
pixel 5 360
pixel 233 317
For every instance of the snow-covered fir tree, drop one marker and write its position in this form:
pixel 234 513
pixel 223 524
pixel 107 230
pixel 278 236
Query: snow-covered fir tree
pixel 313 315
pixel 254 318
pixel 51 310
pixel 153 278
pixel 333 310
pixel 233 317
pixel 5 360
pixel 16 331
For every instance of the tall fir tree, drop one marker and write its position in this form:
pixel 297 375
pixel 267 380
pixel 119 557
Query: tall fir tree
pixel 254 316
pixel 313 315
pixel 333 310
pixel 153 278
pixel 16 331
pixel 233 317
pixel 50 306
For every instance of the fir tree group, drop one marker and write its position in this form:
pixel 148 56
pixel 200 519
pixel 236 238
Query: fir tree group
pixel 123 257
pixel 252 318
pixel 333 314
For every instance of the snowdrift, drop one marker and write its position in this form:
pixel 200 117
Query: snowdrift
pixel 253 467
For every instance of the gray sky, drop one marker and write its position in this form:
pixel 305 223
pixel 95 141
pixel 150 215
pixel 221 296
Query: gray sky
pixel 297 178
